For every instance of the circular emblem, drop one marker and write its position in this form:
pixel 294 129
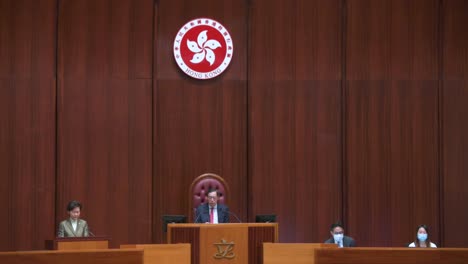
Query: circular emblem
pixel 203 48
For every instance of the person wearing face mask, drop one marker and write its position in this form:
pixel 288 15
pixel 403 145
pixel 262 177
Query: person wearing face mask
pixel 73 226
pixel 422 238
pixel 338 237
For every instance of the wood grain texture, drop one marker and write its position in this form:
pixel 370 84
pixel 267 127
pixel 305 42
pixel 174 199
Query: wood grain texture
pixel 390 255
pixel 104 116
pixel 163 253
pixel 294 253
pixel 295 116
pixel 454 127
pixel 392 180
pixel 258 235
pixel 454 40
pixel 27 122
pixel 117 256
pixel 392 40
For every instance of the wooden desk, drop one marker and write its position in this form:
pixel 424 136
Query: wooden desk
pixel 330 254
pixel 391 255
pixel 297 253
pixel 163 253
pixel 108 256
pixel 79 243
pixel 238 243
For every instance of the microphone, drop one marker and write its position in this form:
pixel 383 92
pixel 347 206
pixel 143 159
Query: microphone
pixel 90 233
pixel 197 216
pixel 231 213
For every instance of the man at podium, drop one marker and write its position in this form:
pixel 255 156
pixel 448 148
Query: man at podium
pixel 73 226
pixel 212 211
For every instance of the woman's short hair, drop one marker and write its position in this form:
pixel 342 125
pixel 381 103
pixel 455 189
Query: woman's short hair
pixel 72 205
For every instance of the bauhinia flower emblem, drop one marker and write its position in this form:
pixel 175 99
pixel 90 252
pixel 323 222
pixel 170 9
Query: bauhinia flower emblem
pixel 203 48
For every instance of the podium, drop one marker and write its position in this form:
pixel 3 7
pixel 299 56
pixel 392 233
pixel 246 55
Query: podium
pixel 239 243
pixel 73 243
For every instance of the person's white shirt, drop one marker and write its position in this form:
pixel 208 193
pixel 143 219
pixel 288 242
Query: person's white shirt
pixel 74 223
pixel 414 245
pixel 339 243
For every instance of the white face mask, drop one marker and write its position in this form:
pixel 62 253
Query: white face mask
pixel 338 237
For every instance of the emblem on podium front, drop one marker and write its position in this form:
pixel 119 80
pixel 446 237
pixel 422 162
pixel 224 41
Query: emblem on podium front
pixel 225 250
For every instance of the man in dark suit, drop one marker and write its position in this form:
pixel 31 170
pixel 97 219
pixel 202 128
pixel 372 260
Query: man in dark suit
pixel 338 237
pixel 212 211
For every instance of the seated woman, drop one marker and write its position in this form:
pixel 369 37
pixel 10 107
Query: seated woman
pixel 422 238
pixel 73 226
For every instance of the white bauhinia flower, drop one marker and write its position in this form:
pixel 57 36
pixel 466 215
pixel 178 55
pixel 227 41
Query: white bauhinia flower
pixel 212 44
pixel 198 57
pixel 203 48
pixel 210 56
pixel 202 37
pixel 193 47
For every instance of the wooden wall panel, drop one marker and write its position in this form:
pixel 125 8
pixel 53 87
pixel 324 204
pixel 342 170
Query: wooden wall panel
pixel 27 122
pixel 455 168
pixel 454 40
pixel 392 40
pixel 392 181
pixel 199 125
pixel 295 115
pixel 392 161
pixel 454 125
pixel 104 115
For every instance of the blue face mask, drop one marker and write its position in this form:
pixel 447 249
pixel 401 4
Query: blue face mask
pixel 422 237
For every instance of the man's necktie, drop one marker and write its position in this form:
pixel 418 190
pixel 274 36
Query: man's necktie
pixel 211 215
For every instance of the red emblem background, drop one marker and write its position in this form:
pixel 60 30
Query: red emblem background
pixel 214 31
pixel 187 55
